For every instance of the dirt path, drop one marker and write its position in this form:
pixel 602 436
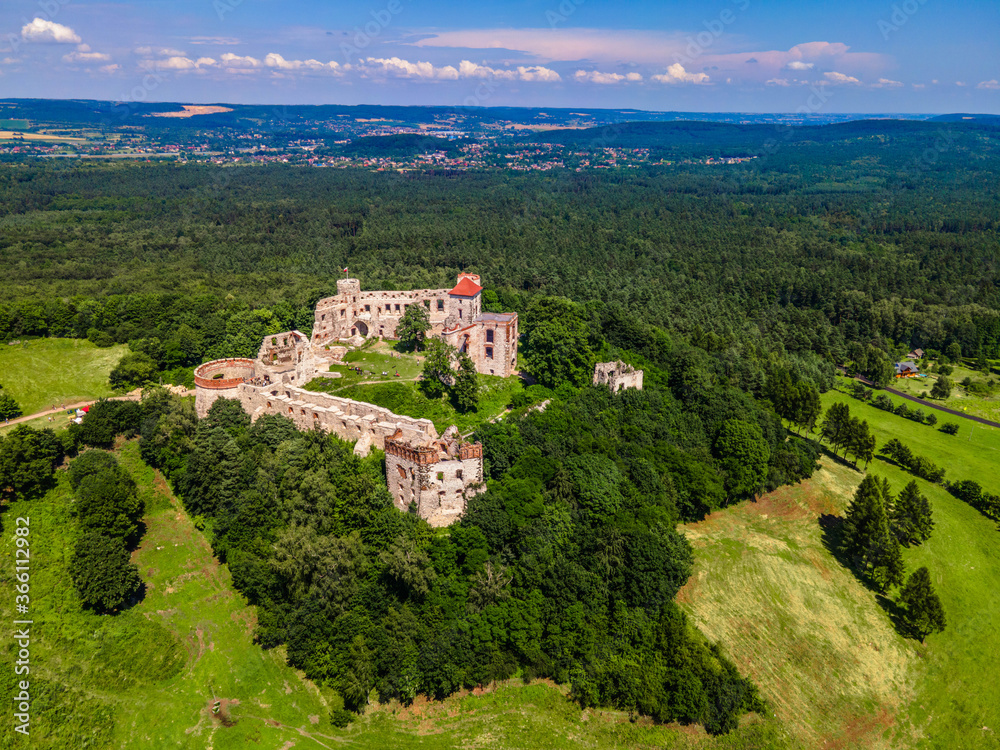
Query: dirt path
pixel 79 405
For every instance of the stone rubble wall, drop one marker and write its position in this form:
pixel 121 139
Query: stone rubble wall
pixel 617 376
pixel 348 419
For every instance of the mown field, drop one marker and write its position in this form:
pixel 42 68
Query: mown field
pixel 823 647
pixel 44 372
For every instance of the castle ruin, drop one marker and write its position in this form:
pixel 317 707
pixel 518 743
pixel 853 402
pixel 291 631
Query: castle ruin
pixel 435 473
pixel 456 316
pixel 617 376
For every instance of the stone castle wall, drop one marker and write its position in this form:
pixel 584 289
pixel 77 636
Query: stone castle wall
pixel 348 419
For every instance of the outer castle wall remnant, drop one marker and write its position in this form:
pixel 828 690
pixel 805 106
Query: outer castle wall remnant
pixel 617 376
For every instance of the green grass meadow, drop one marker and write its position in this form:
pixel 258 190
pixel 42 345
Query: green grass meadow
pixel 823 647
pixel 41 373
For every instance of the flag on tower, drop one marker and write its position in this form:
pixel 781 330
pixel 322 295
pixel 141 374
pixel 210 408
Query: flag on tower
pixel 344 270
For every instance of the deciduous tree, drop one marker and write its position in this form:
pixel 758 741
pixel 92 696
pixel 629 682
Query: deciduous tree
pixel 413 327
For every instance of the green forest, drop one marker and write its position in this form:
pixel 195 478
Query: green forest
pixel 738 289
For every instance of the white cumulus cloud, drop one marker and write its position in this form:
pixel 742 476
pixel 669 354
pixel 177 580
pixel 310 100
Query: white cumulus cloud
pixel 184 63
pixel 109 69
pixel 86 57
pixel 41 30
pixel 993 84
pixel 886 83
pixel 274 60
pixel 776 82
pixel 839 78
pixel 396 67
pixel 676 74
pixel 596 76
pixel 236 62
pixel 799 65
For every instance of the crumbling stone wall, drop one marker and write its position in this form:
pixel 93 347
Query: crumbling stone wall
pixel 438 477
pixel 617 376
pixel 220 378
pixel 348 419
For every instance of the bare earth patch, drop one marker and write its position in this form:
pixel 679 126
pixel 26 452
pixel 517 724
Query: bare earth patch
pixel 190 110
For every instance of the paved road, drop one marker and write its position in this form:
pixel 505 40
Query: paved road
pixel 928 404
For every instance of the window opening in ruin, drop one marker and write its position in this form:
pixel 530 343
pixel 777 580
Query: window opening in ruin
pixel 291 410
pixel 343 312
pixel 489 335
pixel 388 308
pixel 274 341
pixel 368 308
pixel 460 312
pixel 315 416
pixel 354 331
pixel 427 304
pixel 440 304
pixel 322 317
pixel 397 308
pixel 491 372
pixel 489 352
pixel 268 404
pixel 401 470
pixel 458 474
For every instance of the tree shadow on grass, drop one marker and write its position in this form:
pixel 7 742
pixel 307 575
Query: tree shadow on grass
pixel 832 532
pixel 897 615
pixel 832 535
pixel 841 460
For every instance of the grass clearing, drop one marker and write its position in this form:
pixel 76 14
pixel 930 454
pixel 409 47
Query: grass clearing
pixel 43 372
pixel 147 677
pixel 403 395
pixel 407 398
pixel 973 453
pixel 819 644
pixel 811 636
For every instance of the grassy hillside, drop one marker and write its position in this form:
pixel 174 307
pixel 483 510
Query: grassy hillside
pixel 147 678
pixel 823 647
pixel 44 372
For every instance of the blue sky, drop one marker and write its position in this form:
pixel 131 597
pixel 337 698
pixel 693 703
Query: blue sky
pixel 716 55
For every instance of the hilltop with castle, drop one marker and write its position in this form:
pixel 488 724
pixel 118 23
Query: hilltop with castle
pixel 436 473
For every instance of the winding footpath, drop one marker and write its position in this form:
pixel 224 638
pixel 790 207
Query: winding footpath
pixel 56 410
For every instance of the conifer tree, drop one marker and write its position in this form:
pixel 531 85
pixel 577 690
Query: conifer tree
pixel 910 517
pixel 924 613
pixel 867 542
pixel 836 424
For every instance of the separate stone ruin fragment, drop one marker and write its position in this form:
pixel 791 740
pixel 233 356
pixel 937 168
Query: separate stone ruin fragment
pixel 617 376
pixel 437 474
